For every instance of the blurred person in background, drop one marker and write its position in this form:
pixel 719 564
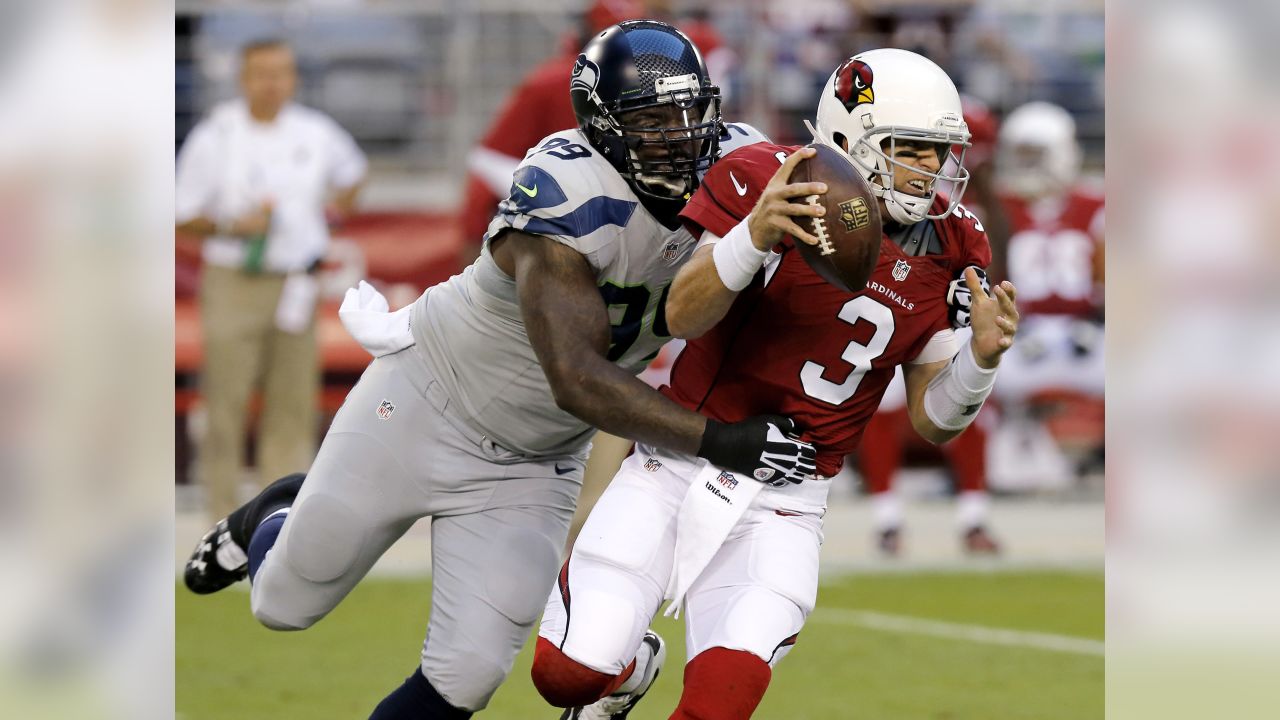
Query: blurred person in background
pixel 254 182
pixel 1056 258
pixel 537 107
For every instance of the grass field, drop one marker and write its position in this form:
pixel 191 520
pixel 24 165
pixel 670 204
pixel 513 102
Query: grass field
pixel 990 646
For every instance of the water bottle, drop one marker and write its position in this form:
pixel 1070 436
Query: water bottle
pixel 256 247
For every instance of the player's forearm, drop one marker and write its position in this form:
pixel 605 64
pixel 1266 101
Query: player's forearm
pixel 917 379
pixel 943 398
pixel 201 227
pixel 925 428
pixel 344 201
pixel 603 395
pixel 568 328
pixel 698 299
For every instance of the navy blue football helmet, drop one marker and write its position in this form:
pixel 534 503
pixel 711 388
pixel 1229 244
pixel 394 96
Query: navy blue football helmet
pixel 642 97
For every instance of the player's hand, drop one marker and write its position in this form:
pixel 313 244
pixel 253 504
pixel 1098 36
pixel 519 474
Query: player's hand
pixel 765 447
pixel 771 218
pixel 960 300
pixel 994 318
pixel 253 223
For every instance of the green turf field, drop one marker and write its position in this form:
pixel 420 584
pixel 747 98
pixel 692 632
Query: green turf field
pixel 879 647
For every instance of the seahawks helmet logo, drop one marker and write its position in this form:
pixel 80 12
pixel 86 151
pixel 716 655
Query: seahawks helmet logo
pixel 586 75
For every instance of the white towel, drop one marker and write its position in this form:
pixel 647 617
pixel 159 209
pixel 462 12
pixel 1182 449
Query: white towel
pixel 297 306
pixel 714 503
pixel 366 315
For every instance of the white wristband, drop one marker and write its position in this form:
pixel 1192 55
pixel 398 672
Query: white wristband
pixel 953 397
pixel 736 259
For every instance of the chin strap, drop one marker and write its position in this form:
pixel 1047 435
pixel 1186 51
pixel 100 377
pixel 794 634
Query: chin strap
pixel 896 207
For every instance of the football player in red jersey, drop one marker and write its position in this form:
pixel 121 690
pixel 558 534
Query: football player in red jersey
pixel 1055 256
pixel 1055 251
pixel 740 557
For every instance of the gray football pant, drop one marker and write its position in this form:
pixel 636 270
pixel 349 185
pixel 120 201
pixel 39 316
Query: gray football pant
pixel 499 523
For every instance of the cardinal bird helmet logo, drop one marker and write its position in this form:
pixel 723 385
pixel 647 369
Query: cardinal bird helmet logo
pixel 853 84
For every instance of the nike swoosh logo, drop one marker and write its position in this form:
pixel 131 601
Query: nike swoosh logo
pixel 531 192
pixel 563 471
pixel 742 189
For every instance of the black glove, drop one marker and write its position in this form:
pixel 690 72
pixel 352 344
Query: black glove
pixel 960 300
pixel 765 447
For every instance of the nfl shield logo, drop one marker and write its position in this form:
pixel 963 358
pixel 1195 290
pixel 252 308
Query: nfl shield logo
pixel 900 270
pixel 385 410
pixel 669 252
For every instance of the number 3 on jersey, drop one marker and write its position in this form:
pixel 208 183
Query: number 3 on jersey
pixel 855 353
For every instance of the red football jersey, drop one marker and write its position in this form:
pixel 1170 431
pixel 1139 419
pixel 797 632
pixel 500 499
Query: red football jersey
pixel 795 345
pixel 1055 253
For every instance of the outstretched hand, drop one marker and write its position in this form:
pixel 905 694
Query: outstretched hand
pixel 994 319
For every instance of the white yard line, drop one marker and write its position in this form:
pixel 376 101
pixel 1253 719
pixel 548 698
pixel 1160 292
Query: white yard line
pixel 956 631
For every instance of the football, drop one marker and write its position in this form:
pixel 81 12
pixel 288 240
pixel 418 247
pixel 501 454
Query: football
pixel 849 234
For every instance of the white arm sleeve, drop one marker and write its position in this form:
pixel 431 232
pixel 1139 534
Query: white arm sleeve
pixel 953 397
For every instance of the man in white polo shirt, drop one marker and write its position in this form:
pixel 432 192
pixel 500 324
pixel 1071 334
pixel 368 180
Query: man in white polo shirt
pixel 253 182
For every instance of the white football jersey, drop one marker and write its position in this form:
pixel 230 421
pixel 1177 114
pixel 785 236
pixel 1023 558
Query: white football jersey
pixel 470 330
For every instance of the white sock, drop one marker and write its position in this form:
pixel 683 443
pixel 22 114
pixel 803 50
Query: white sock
pixel 886 510
pixel 971 509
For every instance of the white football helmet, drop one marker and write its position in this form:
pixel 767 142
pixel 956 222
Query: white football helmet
pixel 1038 154
pixel 895 95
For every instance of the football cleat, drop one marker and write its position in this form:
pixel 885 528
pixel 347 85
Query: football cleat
pixel 619 705
pixel 889 542
pixel 977 541
pixel 216 563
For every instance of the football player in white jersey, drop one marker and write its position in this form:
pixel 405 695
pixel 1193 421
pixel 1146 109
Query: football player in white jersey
pixel 478 407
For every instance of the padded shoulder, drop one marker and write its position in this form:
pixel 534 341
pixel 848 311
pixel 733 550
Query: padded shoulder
pixel 565 190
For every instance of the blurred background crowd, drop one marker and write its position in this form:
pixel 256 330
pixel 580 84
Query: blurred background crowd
pixel 444 98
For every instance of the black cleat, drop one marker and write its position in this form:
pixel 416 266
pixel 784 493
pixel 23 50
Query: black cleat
pixel 216 563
